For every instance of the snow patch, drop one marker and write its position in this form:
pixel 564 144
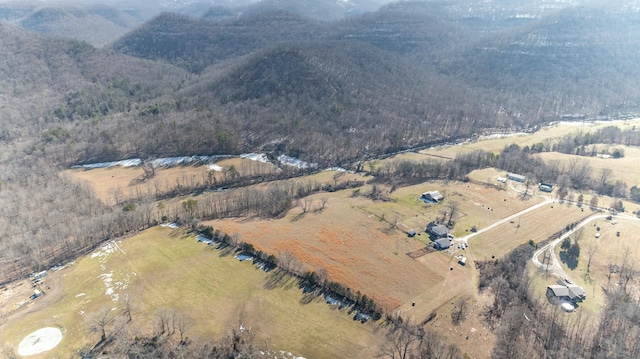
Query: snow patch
pixel 294 162
pixel 133 162
pixel 40 341
pixel 260 157
pixel 495 136
pixel 169 225
pixel 104 251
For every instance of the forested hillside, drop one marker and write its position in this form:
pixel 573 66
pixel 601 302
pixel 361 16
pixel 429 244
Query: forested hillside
pixel 195 44
pixel 55 95
pixel 263 79
pixel 577 61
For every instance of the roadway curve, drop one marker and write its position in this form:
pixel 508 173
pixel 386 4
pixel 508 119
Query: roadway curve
pixel 554 266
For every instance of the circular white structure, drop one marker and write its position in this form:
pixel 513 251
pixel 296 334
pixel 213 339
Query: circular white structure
pixel 567 307
pixel 40 341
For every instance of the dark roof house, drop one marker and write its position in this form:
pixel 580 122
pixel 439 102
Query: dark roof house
pixel 442 243
pixel 571 292
pixel 437 230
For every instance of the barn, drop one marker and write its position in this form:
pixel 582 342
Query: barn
pixel 432 196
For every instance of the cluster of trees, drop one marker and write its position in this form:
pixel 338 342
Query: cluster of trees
pixel 406 340
pixel 526 327
pixel 570 252
pixel 121 336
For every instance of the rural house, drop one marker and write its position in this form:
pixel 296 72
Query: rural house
pixel 571 292
pixel 432 196
pixel 437 230
pixel 442 243
pixel 516 177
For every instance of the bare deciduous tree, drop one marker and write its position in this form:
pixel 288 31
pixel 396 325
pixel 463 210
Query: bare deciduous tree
pixel 99 321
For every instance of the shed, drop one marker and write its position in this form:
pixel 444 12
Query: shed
pixel 432 196
pixel 516 177
pixel 411 233
pixel 546 187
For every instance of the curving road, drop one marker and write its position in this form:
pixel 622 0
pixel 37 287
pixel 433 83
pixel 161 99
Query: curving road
pixel 554 267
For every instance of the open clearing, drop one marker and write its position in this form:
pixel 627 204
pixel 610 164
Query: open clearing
pixel 549 133
pixel 625 169
pixel 536 225
pixel 122 182
pixel 163 268
pixel 607 250
pixel 362 244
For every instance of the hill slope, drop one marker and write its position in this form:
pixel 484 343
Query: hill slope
pixel 579 61
pixel 194 43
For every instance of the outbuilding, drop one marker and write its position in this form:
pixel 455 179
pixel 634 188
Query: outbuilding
pixel 516 177
pixel 546 187
pixel 432 196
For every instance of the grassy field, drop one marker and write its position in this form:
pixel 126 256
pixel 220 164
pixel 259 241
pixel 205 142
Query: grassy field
pixel 625 169
pixel 608 249
pixel 545 134
pixel 123 181
pixel 362 243
pixel 536 225
pixel 218 292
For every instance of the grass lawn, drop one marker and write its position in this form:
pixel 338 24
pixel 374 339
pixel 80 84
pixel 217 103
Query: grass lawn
pixel 362 243
pixel 545 134
pixel 625 169
pixel 608 249
pixel 536 225
pixel 164 269
pixel 121 181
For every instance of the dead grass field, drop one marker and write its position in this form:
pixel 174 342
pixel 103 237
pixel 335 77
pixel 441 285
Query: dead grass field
pixel 488 175
pixel 121 181
pixel 478 206
pixel 162 268
pixel 536 225
pixel 625 169
pixel 545 134
pixel 356 241
pixel 609 249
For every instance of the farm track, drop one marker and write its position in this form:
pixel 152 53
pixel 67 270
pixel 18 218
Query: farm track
pixel 554 267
